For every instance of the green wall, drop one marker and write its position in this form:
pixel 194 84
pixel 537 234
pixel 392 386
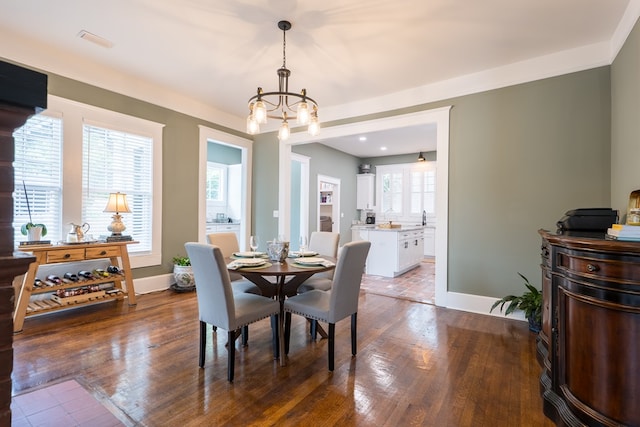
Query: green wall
pixel 223 154
pixel 330 162
pixel 520 157
pixel 625 123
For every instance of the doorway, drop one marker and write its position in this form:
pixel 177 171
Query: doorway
pixel 437 116
pixel 328 199
pixel 299 215
pixel 241 187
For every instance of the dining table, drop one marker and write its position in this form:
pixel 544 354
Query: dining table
pixel 286 276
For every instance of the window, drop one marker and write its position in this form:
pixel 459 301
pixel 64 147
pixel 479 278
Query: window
pixel 38 175
pixel 94 152
pixel 392 192
pixel 128 171
pixel 406 191
pixel 216 183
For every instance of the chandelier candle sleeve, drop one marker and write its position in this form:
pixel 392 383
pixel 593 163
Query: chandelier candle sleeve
pixel 282 104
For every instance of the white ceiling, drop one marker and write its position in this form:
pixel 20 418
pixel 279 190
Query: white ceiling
pixel 216 53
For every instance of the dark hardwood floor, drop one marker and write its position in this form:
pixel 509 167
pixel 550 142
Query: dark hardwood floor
pixel 417 364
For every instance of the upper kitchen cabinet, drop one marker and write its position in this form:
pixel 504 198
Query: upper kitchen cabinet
pixel 365 191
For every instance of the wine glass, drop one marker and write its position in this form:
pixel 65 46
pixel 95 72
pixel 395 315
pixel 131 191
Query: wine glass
pixel 303 244
pixel 254 242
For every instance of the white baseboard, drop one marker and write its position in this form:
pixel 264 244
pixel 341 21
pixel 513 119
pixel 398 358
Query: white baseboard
pixel 478 304
pixel 149 284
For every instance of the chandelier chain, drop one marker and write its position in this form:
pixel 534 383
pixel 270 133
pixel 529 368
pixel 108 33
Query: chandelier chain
pixel 284 49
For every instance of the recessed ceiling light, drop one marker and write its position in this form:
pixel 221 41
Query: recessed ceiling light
pixel 383 148
pixel 363 138
pixel 100 41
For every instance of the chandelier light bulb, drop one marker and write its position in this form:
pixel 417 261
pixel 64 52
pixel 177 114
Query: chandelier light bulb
pixel 252 125
pixel 303 113
pixel 260 112
pixel 284 132
pixel 314 127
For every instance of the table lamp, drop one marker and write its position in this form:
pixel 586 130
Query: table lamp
pixel 117 203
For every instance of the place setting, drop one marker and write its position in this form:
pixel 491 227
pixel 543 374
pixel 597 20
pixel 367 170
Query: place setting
pixel 312 262
pixel 248 263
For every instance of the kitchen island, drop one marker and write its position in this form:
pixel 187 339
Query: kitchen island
pixel 394 251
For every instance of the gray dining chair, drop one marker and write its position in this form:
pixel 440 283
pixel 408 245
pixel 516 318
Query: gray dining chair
pixel 341 300
pixel 324 243
pixel 219 306
pixel 228 244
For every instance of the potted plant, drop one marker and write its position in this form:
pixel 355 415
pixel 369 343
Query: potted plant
pixel 530 302
pixel 182 272
pixel 33 231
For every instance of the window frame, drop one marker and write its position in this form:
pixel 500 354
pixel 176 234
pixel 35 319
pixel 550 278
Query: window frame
pixel 74 116
pixel 406 170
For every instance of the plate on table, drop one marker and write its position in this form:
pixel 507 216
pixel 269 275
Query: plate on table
pixel 249 254
pixel 303 254
pixel 310 261
pixel 249 262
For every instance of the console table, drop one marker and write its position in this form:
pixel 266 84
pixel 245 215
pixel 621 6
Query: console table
pixel 589 345
pixel 116 252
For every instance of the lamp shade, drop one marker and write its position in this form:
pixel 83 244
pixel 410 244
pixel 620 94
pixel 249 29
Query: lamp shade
pixel 117 203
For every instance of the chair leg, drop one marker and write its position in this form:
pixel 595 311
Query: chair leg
pixel 203 342
pixel 275 338
pixel 231 355
pixel 287 331
pixel 313 329
pixel 245 336
pixel 332 336
pixel 354 328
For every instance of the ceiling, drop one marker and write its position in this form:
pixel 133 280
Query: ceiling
pixel 217 53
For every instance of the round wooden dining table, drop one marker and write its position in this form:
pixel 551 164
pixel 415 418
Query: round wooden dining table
pixel 288 277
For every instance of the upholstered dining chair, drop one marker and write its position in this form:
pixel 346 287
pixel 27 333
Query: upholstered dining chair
pixel 219 306
pixel 325 243
pixel 341 300
pixel 228 244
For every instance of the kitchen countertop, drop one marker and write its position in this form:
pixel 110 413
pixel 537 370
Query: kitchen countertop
pixel 223 223
pixel 403 228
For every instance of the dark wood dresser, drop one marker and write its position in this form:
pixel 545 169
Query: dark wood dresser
pixel 589 345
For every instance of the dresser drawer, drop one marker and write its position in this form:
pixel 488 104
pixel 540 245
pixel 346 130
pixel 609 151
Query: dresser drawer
pixel 65 255
pixel 599 268
pixel 93 253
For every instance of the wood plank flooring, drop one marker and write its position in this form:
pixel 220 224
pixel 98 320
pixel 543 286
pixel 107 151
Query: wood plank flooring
pixel 417 365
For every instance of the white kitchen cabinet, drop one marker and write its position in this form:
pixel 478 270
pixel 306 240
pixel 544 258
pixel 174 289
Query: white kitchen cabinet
pixel 365 185
pixel 360 233
pixel 429 241
pixel 394 252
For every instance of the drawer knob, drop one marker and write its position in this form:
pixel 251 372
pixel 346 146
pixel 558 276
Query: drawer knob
pixel 103 253
pixel 591 268
pixel 67 255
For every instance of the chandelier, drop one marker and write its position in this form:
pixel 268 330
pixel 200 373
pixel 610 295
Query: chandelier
pixel 282 104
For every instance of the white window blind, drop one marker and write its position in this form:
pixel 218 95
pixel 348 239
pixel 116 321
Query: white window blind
pixel 117 161
pixel 392 192
pixel 38 163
